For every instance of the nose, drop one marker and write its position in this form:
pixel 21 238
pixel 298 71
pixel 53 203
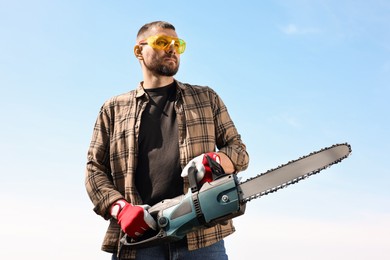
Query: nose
pixel 171 47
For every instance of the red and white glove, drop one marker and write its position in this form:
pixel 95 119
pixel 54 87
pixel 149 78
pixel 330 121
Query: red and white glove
pixel 134 220
pixel 200 162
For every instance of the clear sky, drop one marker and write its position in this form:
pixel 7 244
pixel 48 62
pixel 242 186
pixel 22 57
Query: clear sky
pixel 296 76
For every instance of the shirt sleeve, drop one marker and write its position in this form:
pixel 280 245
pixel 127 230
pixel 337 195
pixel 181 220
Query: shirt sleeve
pixel 228 139
pixel 98 179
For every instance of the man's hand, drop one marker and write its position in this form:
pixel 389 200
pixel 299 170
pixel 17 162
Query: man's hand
pixel 134 220
pixel 204 172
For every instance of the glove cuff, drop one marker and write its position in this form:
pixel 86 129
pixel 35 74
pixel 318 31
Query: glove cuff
pixel 215 156
pixel 117 207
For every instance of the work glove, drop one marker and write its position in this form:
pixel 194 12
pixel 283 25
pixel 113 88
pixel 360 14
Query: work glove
pixel 204 171
pixel 134 220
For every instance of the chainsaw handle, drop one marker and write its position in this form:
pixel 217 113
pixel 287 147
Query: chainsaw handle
pixel 153 237
pixel 159 238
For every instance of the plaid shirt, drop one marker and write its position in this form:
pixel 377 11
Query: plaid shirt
pixel 203 125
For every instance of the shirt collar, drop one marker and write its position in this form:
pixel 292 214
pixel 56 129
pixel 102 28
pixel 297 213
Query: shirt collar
pixel 140 91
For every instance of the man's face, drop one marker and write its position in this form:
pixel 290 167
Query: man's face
pixel 160 62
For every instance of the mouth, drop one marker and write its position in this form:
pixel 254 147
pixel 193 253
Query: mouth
pixel 170 59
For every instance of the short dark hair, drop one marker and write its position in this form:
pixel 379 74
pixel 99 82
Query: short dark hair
pixel 161 24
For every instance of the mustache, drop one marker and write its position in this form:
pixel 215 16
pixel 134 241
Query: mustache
pixel 171 56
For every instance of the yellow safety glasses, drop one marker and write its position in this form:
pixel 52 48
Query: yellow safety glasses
pixel 162 42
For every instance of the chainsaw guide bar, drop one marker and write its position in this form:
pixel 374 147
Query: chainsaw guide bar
pixel 293 171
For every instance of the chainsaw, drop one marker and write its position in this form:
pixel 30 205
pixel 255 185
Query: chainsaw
pixel 225 197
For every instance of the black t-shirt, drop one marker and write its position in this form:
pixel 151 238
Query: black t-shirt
pixel 158 169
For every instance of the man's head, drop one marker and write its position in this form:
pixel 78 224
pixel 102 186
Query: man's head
pixel 145 28
pixel 158 48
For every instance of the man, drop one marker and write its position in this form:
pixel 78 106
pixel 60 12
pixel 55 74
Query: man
pixel 144 142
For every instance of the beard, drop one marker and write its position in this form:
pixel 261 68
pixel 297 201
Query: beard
pixel 157 67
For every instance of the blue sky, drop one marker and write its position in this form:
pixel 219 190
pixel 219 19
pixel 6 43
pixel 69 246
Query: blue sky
pixel 296 76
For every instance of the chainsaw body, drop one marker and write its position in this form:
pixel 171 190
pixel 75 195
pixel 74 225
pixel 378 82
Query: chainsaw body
pixel 213 203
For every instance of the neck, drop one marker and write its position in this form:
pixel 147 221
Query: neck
pixel 152 81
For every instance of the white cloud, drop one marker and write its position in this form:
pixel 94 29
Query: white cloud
pixel 267 236
pixel 293 29
pixel 386 67
pixel 66 231
pixel 288 120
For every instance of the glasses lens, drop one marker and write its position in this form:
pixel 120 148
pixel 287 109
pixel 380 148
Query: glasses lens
pixel 182 46
pixel 162 42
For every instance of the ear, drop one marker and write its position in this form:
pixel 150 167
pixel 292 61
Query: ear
pixel 138 52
